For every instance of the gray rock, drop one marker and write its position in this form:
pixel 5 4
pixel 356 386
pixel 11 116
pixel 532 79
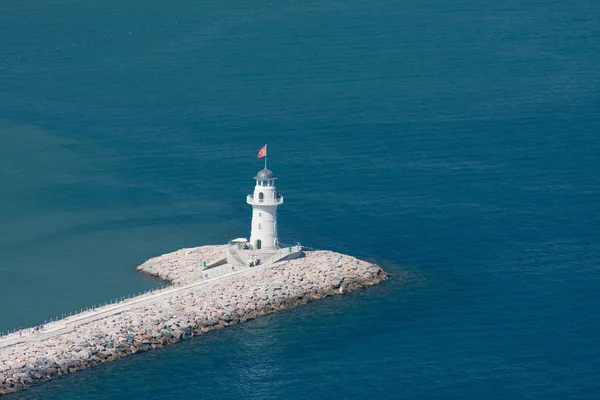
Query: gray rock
pixel 169 318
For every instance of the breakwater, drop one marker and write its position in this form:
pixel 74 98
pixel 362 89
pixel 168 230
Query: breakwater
pixel 194 304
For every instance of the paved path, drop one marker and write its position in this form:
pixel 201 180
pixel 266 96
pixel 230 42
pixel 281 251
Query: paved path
pixel 70 323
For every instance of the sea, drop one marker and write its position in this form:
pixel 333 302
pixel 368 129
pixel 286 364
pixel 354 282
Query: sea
pixel 455 143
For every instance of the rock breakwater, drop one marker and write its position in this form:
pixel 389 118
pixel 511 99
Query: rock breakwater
pixel 183 266
pixel 194 307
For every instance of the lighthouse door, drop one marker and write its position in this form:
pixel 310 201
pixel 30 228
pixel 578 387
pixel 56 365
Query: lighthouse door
pixel 258 244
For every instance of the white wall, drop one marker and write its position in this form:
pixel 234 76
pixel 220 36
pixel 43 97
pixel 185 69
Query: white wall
pixel 264 218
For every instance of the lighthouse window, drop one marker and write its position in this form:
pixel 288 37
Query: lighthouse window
pixel 259 226
pixel 261 196
pixel 260 214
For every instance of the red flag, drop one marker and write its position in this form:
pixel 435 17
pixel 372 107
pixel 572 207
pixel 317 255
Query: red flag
pixel 262 152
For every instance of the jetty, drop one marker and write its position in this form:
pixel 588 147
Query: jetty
pixel 208 288
pixel 185 309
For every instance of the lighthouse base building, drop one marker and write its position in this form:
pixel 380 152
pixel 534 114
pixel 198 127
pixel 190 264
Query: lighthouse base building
pixel 263 246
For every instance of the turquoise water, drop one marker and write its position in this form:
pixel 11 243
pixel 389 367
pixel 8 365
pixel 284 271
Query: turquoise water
pixel 456 143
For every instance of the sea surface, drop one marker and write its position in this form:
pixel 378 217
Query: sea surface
pixel 456 143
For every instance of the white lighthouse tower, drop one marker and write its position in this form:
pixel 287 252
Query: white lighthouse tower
pixel 263 247
pixel 264 202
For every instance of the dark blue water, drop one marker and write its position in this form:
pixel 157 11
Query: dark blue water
pixel 456 143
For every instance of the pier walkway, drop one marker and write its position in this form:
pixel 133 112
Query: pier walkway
pixel 69 324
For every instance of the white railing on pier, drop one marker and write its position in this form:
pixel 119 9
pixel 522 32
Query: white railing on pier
pixel 60 322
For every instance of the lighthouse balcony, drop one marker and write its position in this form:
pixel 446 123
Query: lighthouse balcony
pixel 265 201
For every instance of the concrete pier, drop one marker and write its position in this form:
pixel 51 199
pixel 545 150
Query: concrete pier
pixel 206 293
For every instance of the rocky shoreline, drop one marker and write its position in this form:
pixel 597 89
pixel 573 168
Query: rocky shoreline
pixel 196 305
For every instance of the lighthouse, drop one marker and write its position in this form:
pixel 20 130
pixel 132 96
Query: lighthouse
pixel 264 202
pixel 263 248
